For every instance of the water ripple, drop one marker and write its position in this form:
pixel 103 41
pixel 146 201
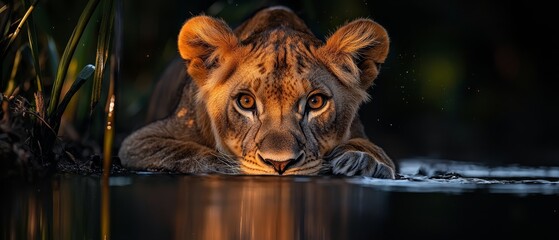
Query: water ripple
pixel 421 175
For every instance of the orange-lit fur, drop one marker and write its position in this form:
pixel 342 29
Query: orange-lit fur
pixel 277 61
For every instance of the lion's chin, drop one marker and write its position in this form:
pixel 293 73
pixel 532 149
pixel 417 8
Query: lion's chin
pixel 308 169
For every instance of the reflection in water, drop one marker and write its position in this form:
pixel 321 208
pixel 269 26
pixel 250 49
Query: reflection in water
pixel 31 212
pixel 105 207
pixel 62 208
pixel 264 207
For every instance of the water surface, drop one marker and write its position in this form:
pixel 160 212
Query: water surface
pixel 438 200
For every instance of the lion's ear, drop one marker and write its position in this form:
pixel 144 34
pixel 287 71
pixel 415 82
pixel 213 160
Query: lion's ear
pixel 203 42
pixel 356 51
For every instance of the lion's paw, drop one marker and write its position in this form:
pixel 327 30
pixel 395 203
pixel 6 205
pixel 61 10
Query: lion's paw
pixel 358 163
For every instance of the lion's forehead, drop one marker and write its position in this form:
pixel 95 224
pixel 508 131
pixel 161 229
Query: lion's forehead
pixel 280 66
pixel 281 52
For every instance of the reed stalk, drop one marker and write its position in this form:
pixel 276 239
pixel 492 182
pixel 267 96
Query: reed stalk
pixel 33 44
pixel 103 48
pixel 68 53
pixel 15 34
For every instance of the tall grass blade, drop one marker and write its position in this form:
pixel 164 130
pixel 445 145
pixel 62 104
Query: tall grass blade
pixel 109 134
pixel 84 74
pixel 15 67
pixel 33 44
pixel 52 55
pixel 4 20
pixel 3 8
pixel 103 46
pixel 68 53
pixel 18 29
pixel 108 138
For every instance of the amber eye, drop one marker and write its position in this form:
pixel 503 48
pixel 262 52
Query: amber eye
pixel 316 102
pixel 246 102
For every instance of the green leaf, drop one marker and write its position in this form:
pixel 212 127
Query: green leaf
pixel 14 35
pixel 33 44
pixel 84 74
pixel 52 55
pixel 15 67
pixel 68 53
pixel 103 47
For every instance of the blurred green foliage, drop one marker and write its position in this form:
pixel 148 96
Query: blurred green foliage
pixel 28 112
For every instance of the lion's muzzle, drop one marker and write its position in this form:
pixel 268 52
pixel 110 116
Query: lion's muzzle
pixel 280 150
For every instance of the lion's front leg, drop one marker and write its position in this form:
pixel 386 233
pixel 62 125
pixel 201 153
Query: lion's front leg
pixel 156 147
pixel 360 157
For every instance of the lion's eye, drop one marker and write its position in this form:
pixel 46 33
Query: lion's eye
pixel 246 102
pixel 316 102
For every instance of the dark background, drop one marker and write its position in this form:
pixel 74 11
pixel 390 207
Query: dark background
pixel 464 80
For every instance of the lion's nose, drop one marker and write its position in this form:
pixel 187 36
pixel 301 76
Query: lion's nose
pixel 281 166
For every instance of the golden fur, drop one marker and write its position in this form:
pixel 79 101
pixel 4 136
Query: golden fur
pixel 277 66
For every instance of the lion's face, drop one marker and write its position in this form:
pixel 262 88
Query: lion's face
pixel 278 102
pixel 280 111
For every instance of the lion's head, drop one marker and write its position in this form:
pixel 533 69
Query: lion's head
pixel 279 99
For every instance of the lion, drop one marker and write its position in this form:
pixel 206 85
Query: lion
pixel 268 98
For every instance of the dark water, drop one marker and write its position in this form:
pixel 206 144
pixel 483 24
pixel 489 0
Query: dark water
pixel 436 200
